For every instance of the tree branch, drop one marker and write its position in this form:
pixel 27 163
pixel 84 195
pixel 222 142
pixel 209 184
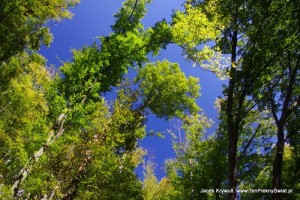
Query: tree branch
pixel 12 10
pixel 134 7
pixel 249 142
pixel 4 108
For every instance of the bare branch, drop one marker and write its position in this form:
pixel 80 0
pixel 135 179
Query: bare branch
pixel 5 107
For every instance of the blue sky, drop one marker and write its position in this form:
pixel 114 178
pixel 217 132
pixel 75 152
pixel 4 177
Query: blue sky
pixel 92 18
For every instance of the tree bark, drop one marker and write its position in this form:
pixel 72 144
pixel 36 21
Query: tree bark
pixel 286 111
pixel 231 126
pixel 23 173
pixel 277 163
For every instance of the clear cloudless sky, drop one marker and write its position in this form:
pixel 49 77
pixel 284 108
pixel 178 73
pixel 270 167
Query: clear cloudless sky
pixel 92 18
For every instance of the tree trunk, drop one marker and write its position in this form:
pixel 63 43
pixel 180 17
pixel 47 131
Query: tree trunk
pixel 232 160
pixel 286 111
pixel 231 125
pixel 277 164
pixel 23 173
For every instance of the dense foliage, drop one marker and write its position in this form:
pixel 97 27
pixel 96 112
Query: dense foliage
pixel 60 138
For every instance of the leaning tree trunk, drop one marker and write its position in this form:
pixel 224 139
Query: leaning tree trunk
pixel 23 173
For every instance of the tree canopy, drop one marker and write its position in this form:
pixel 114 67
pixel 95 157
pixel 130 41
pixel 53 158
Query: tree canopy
pixel 61 139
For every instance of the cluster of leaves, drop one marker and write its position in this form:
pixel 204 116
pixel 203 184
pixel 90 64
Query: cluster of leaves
pixel 179 93
pixel 200 161
pixel 22 24
pixel 24 123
